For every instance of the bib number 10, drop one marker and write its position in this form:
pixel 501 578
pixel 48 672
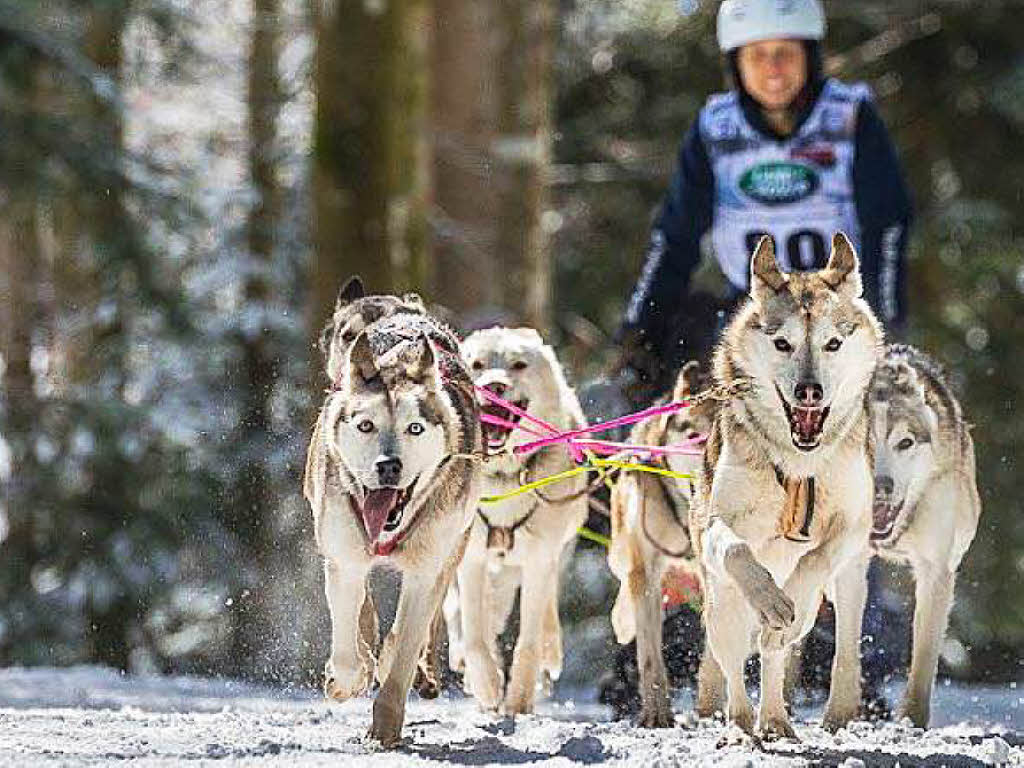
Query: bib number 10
pixel 805 248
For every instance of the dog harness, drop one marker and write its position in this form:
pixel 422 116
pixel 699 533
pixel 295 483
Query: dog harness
pixel 798 514
pixel 502 538
pixel 674 500
pixel 798 190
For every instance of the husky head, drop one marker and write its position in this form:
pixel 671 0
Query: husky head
pixel 516 365
pixel 353 312
pixel 809 342
pixel 388 433
pixel 905 434
pixel 688 424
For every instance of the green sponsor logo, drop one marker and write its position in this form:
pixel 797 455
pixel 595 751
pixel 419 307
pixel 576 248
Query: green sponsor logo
pixel 779 183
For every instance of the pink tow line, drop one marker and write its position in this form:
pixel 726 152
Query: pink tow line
pixel 575 439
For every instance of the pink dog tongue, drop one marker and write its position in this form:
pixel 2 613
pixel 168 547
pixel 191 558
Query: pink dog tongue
pixel 375 510
pixel 807 420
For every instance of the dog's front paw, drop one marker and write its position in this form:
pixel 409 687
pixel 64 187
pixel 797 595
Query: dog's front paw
pixel 774 609
pixel 426 683
pixel 657 716
pixel 342 683
pixel 836 718
pixel 774 727
pixel 485 683
pixel 386 728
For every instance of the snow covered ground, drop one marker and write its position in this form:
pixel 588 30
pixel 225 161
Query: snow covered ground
pixel 86 716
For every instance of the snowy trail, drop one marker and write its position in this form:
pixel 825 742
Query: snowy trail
pixel 87 716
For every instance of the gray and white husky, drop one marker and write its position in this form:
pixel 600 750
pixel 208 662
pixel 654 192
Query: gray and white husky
pixel 926 498
pixel 392 474
pixel 785 497
pixel 519 542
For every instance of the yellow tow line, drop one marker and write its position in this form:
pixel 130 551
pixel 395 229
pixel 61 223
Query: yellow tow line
pixel 602 466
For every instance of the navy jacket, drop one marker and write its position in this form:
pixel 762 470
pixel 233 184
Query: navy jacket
pixel 883 210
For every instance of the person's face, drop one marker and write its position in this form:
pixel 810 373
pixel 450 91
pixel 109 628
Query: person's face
pixel 773 71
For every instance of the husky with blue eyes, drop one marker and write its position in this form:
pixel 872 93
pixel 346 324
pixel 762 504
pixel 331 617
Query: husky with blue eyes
pixel 392 476
pixel 926 504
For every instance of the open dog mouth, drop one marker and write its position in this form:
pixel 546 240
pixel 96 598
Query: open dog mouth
pixel 805 424
pixel 884 514
pixel 496 435
pixel 383 509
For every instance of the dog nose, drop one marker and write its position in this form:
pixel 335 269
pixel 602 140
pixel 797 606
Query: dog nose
pixel 389 470
pixel 884 486
pixel 497 388
pixel 809 394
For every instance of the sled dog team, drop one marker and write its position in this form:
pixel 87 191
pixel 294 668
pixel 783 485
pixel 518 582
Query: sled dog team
pixel 833 449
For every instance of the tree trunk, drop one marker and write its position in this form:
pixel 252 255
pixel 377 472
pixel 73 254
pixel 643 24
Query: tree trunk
pixel 253 500
pixel 370 175
pixel 523 152
pixel 492 115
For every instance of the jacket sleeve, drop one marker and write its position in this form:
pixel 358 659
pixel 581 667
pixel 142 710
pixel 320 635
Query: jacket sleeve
pixel 884 212
pixel 674 249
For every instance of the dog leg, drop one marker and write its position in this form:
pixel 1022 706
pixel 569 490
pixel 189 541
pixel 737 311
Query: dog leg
pixel 417 606
pixel 710 686
pixel 772 718
pixel 551 648
pixel 427 681
pixel 533 605
pixel 794 667
pixel 849 592
pixel 645 586
pixel 453 621
pixel 729 628
pixel 933 593
pixel 349 670
pixel 728 557
pixel 483 673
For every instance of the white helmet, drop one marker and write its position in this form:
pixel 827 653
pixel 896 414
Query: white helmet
pixel 747 21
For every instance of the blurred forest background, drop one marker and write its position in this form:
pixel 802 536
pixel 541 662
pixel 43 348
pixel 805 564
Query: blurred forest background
pixel 185 185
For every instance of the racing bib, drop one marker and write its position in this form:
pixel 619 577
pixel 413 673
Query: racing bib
pixel 798 190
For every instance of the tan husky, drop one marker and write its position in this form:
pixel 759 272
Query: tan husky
pixel 784 509
pixel 392 475
pixel 926 498
pixel 518 542
pixel 650 533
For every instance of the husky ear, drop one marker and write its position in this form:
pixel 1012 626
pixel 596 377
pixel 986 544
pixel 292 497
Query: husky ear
pixel 421 362
pixel 361 365
pixel 764 271
pixel 842 272
pixel 352 290
pixel 688 381
pixel 414 300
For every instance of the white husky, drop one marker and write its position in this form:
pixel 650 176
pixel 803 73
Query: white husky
pixel 926 498
pixel 517 542
pixel 784 508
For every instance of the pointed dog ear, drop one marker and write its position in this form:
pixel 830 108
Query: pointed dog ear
pixel 842 273
pixel 765 275
pixel 362 367
pixel 688 381
pixel 414 300
pixel 352 290
pixel 422 364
